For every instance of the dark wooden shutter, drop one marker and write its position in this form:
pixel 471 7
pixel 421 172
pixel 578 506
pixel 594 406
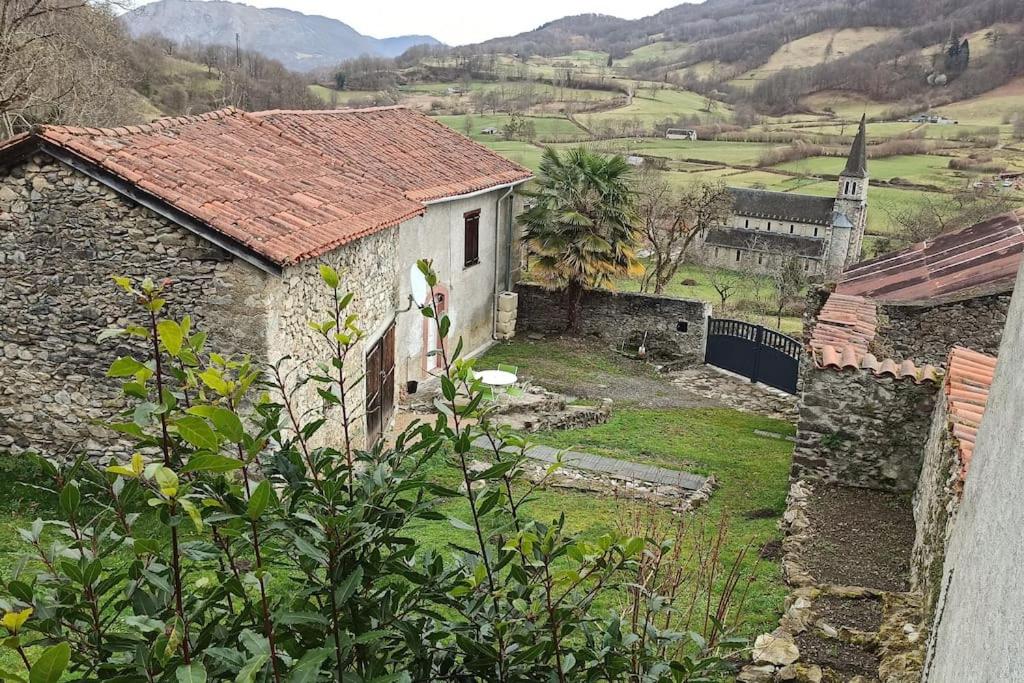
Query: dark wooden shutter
pixel 380 386
pixel 472 243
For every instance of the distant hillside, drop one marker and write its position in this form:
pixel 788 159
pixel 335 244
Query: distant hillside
pixel 300 42
pixel 754 51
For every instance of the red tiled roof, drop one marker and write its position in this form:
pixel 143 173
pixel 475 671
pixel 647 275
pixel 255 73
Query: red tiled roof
pixel 981 259
pixel 287 193
pixel 425 159
pixel 844 331
pixel 967 387
pixel 845 321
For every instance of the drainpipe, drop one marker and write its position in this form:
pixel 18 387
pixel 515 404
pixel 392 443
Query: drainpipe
pixel 497 233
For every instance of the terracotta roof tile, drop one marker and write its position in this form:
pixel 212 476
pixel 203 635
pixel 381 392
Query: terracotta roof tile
pixel 967 387
pixel 424 158
pixel 841 337
pixel 981 259
pixel 291 185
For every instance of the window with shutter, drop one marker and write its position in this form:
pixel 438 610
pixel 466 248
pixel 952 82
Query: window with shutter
pixel 472 241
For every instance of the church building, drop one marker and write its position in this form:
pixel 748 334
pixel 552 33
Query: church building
pixel 824 233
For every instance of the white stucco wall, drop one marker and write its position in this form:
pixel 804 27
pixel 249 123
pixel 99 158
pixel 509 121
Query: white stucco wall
pixel 980 615
pixel 439 235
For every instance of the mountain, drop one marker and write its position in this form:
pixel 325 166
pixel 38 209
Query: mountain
pixel 299 41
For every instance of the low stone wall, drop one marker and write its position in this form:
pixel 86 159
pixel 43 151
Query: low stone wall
pixel 925 334
pixel 936 502
pixel 858 429
pixel 617 317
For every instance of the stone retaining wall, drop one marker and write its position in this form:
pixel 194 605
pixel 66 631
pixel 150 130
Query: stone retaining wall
pixel 936 502
pixel 617 317
pixel 925 334
pixel 858 429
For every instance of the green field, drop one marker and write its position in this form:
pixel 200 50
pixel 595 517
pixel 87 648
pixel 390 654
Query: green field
pixel 881 201
pixel 920 168
pixel 548 128
pixel 663 51
pixel 649 109
pixel 711 151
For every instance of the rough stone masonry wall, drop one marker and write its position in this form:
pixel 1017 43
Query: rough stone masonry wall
pixel 925 334
pixel 936 502
pixel 62 236
pixel 617 317
pixel 857 429
pixel 367 270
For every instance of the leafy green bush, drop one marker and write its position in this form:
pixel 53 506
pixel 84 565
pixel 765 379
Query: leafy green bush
pixel 235 545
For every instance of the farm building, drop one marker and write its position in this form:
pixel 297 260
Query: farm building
pixel 237 210
pixel 681 134
pixel 824 233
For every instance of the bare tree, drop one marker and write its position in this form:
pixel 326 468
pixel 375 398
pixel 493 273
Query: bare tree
pixel 786 284
pixel 727 283
pixel 936 214
pixel 61 60
pixel 672 219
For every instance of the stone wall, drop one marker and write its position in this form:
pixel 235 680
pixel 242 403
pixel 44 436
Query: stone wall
pixel 936 501
pixel 62 237
pixel 857 429
pixel 925 334
pixel 618 317
pixel 300 295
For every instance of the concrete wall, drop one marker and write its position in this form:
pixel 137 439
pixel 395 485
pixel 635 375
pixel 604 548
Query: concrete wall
pixel 857 429
pixel 439 236
pixel 62 237
pixel 925 334
pixel 619 318
pixel 979 627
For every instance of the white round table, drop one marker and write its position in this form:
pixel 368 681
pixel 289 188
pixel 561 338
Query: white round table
pixel 496 378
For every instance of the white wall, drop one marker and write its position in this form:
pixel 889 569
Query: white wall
pixel 439 235
pixel 980 616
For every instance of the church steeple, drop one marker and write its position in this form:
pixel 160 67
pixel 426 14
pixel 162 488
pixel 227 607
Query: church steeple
pixel 857 162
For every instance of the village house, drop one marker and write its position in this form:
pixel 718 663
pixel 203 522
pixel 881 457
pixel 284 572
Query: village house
pixel 824 233
pixel 237 210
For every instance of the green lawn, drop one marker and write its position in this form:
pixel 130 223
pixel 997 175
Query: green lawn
pixel 752 471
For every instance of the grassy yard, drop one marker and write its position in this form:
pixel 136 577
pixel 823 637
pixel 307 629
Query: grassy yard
pixel 651 108
pixel 752 471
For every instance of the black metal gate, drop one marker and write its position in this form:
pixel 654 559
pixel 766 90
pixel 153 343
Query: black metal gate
pixel 753 351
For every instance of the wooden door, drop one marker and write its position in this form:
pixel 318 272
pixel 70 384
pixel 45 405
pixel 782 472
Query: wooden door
pixel 380 386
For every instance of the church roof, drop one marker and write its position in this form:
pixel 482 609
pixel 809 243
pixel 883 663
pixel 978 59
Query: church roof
pixel 857 162
pixel 762 240
pixel 783 206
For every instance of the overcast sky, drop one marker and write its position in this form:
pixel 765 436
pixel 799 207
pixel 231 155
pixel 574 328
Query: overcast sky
pixel 458 22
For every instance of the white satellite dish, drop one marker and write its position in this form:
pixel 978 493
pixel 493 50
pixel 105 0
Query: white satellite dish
pixel 418 285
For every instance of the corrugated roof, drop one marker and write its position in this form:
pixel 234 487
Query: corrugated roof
pixel 783 206
pixel 967 388
pixel 762 240
pixel 981 259
pixel 285 190
pixel 844 330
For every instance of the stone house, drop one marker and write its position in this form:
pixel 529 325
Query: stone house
pixel 237 210
pixel 953 290
pixel 824 233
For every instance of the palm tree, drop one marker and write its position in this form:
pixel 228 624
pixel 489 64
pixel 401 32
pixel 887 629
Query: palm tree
pixel 581 227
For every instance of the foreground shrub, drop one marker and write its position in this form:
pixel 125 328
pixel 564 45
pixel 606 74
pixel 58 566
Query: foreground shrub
pixel 234 544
